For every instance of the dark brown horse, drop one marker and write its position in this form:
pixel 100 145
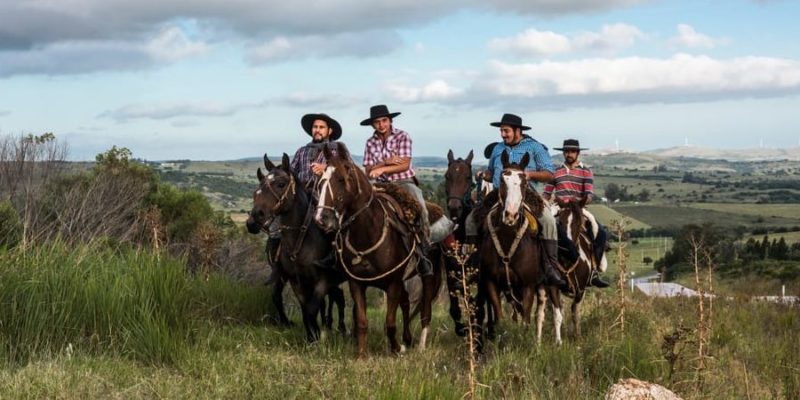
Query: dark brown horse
pixel 578 273
pixel 458 185
pixel 374 248
pixel 510 253
pixel 306 257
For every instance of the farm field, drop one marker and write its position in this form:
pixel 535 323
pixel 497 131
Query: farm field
pixel 791 211
pixel 668 216
pixel 789 237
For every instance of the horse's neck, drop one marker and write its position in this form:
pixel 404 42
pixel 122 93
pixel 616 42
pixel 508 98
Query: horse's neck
pixel 297 213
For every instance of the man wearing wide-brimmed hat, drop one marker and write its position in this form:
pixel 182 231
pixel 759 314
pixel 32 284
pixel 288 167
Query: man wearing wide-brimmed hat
pixel 387 158
pixel 308 162
pixel 574 181
pixel 540 169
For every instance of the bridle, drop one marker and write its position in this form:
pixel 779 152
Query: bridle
pixel 290 188
pixel 466 198
pixel 324 185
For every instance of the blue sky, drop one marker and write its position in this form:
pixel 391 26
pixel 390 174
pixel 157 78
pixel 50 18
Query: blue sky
pixel 209 79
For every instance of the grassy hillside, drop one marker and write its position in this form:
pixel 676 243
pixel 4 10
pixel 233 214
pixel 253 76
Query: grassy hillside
pixel 93 323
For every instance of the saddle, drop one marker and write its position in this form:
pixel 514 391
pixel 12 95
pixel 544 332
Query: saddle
pixel 405 206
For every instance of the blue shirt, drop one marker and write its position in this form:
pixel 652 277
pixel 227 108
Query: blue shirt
pixel 539 158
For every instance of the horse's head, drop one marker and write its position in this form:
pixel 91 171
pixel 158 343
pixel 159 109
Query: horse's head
pixel 513 186
pixel 340 186
pixel 458 183
pixel 274 196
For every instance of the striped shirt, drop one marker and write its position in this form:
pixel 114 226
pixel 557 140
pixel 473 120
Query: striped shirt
pixel 570 183
pixel 378 150
pixel 539 158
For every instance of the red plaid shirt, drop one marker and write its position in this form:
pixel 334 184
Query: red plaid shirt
pixel 570 183
pixel 397 144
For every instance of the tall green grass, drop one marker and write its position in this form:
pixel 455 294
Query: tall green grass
pixel 97 322
pixel 91 298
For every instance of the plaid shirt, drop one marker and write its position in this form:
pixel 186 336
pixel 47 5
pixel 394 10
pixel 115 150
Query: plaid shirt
pixel 377 151
pixel 539 158
pixel 570 183
pixel 304 157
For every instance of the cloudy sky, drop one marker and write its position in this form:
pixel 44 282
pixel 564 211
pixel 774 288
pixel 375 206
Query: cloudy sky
pixel 213 79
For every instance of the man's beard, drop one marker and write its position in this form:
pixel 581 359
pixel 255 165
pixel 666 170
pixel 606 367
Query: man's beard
pixel 318 140
pixel 570 160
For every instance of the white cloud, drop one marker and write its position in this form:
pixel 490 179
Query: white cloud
pixel 437 90
pixel 79 57
pixel 630 80
pixel 689 37
pixel 359 45
pixel 532 42
pixel 172 45
pixel 179 110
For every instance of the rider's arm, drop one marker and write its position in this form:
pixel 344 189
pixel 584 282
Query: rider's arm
pixel 588 186
pixel 540 176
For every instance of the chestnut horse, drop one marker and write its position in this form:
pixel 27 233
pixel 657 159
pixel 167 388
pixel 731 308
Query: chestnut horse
pixel 510 253
pixel 578 273
pixel 306 257
pixel 373 247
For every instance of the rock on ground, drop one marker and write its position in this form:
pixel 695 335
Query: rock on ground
pixel 634 389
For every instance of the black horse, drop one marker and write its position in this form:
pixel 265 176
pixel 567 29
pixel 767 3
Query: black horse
pixel 306 257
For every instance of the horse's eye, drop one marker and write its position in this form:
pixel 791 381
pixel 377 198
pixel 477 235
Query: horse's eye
pixel 281 184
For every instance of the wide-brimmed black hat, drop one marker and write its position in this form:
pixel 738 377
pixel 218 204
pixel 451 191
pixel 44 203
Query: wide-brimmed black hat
pixel 570 144
pixel 376 112
pixel 511 120
pixel 308 120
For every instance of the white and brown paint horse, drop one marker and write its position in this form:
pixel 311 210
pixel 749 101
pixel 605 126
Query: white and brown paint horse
pixel 580 228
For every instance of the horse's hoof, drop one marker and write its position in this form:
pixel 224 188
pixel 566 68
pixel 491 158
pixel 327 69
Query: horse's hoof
pixel 402 349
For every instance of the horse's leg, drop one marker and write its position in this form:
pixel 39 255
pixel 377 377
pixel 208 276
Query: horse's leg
pixel 312 299
pixel 494 298
pixel 454 292
pixel 394 293
pixel 558 315
pixel 277 300
pixel 336 295
pixel 405 310
pixel 541 304
pixel 427 300
pixel 576 316
pixel 327 315
pixel 358 293
pixel 528 295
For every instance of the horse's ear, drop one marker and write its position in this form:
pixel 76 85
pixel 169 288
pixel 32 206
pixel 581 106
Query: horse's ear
pixel 504 159
pixel 285 162
pixel 267 163
pixel 326 152
pixel 260 175
pixel 469 158
pixel 342 152
pixel 449 157
pixel 524 162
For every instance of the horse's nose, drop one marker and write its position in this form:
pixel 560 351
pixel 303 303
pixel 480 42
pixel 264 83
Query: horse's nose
pixel 509 217
pixel 454 211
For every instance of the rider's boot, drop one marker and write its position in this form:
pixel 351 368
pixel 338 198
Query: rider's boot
pixel 551 275
pixel 598 281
